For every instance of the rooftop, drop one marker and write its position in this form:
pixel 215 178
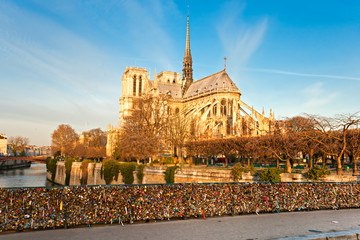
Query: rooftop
pixel 219 80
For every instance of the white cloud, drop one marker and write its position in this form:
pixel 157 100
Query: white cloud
pixel 239 39
pixel 51 75
pixel 303 74
pixel 316 96
pixel 145 24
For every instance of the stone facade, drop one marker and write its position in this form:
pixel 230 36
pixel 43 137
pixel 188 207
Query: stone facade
pixel 213 102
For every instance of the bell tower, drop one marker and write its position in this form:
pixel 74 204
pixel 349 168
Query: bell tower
pixel 187 76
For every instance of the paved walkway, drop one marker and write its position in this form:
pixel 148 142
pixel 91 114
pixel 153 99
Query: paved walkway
pixel 264 226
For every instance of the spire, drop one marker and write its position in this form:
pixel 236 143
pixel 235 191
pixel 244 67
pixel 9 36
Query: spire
pixel 187 48
pixel 187 77
pixel 155 80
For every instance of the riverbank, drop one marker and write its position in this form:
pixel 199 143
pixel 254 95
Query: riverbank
pixel 14 164
pixel 92 175
pixel 34 176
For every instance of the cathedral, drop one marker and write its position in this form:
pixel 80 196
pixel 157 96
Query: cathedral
pixel 215 101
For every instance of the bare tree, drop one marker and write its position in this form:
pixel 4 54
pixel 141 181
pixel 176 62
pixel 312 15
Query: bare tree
pixel 95 153
pixel 179 129
pixel 225 147
pixel 304 126
pixel 208 148
pixel 142 135
pixel 80 151
pixel 64 139
pixel 284 147
pixel 353 148
pixel 95 138
pixel 18 144
pixel 333 134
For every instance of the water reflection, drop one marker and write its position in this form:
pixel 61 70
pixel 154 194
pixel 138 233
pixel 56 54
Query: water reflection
pixel 35 176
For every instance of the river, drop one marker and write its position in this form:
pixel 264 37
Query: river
pixel 35 176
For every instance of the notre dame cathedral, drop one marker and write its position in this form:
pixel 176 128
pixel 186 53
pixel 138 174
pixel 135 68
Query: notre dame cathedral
pixel 214 100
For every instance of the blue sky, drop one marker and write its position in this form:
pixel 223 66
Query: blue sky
pixel 62 61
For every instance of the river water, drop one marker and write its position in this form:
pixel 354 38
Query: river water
pixel 35 176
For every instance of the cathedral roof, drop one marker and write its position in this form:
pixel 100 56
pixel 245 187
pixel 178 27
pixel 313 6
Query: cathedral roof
pixel 219 80
pixel 170 89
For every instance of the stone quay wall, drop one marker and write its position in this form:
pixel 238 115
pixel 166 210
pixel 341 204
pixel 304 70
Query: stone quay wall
pixel 155 174
pixel 14 164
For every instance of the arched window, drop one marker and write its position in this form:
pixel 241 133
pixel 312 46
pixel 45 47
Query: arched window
pixel 134 85
pixel 174 81
pixel 223 107
pixel 176 110
pixel 140 85
pixel 168 80
pixel 215 110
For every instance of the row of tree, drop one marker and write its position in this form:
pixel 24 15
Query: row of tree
pixel 313 137
pixel 90 144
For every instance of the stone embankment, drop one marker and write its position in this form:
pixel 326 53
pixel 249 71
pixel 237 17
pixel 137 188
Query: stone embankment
pixel 155 175
pixel 14 164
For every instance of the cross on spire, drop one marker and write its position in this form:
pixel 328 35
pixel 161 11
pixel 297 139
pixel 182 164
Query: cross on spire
pixel 225 63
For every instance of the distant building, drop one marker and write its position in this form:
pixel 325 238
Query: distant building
pixel 3 145
pixel 85 137
pixel 33 151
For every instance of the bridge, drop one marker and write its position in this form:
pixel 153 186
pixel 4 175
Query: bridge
pixel 31 159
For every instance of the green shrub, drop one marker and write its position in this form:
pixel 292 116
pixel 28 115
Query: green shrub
pixel 170 174
pixel 127 172
pixel 110 170
pixel 236 172
pixel 51 167
pixel 251 169
pixel 68 164
pixel 140 173
pixel 315 173
pixel 168 160
pixel 270 175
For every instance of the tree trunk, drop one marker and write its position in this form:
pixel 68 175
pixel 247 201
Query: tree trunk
pixel 339 169
pixel 311 155
pixel 324 160
pixel 277 164
pixel 226 161
pixel 248 162
pixel 355 171
pixel 292 162
pixel 342 160
pixel 181 162
pixel 181 158
pixel 288 165
pixel 333 162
